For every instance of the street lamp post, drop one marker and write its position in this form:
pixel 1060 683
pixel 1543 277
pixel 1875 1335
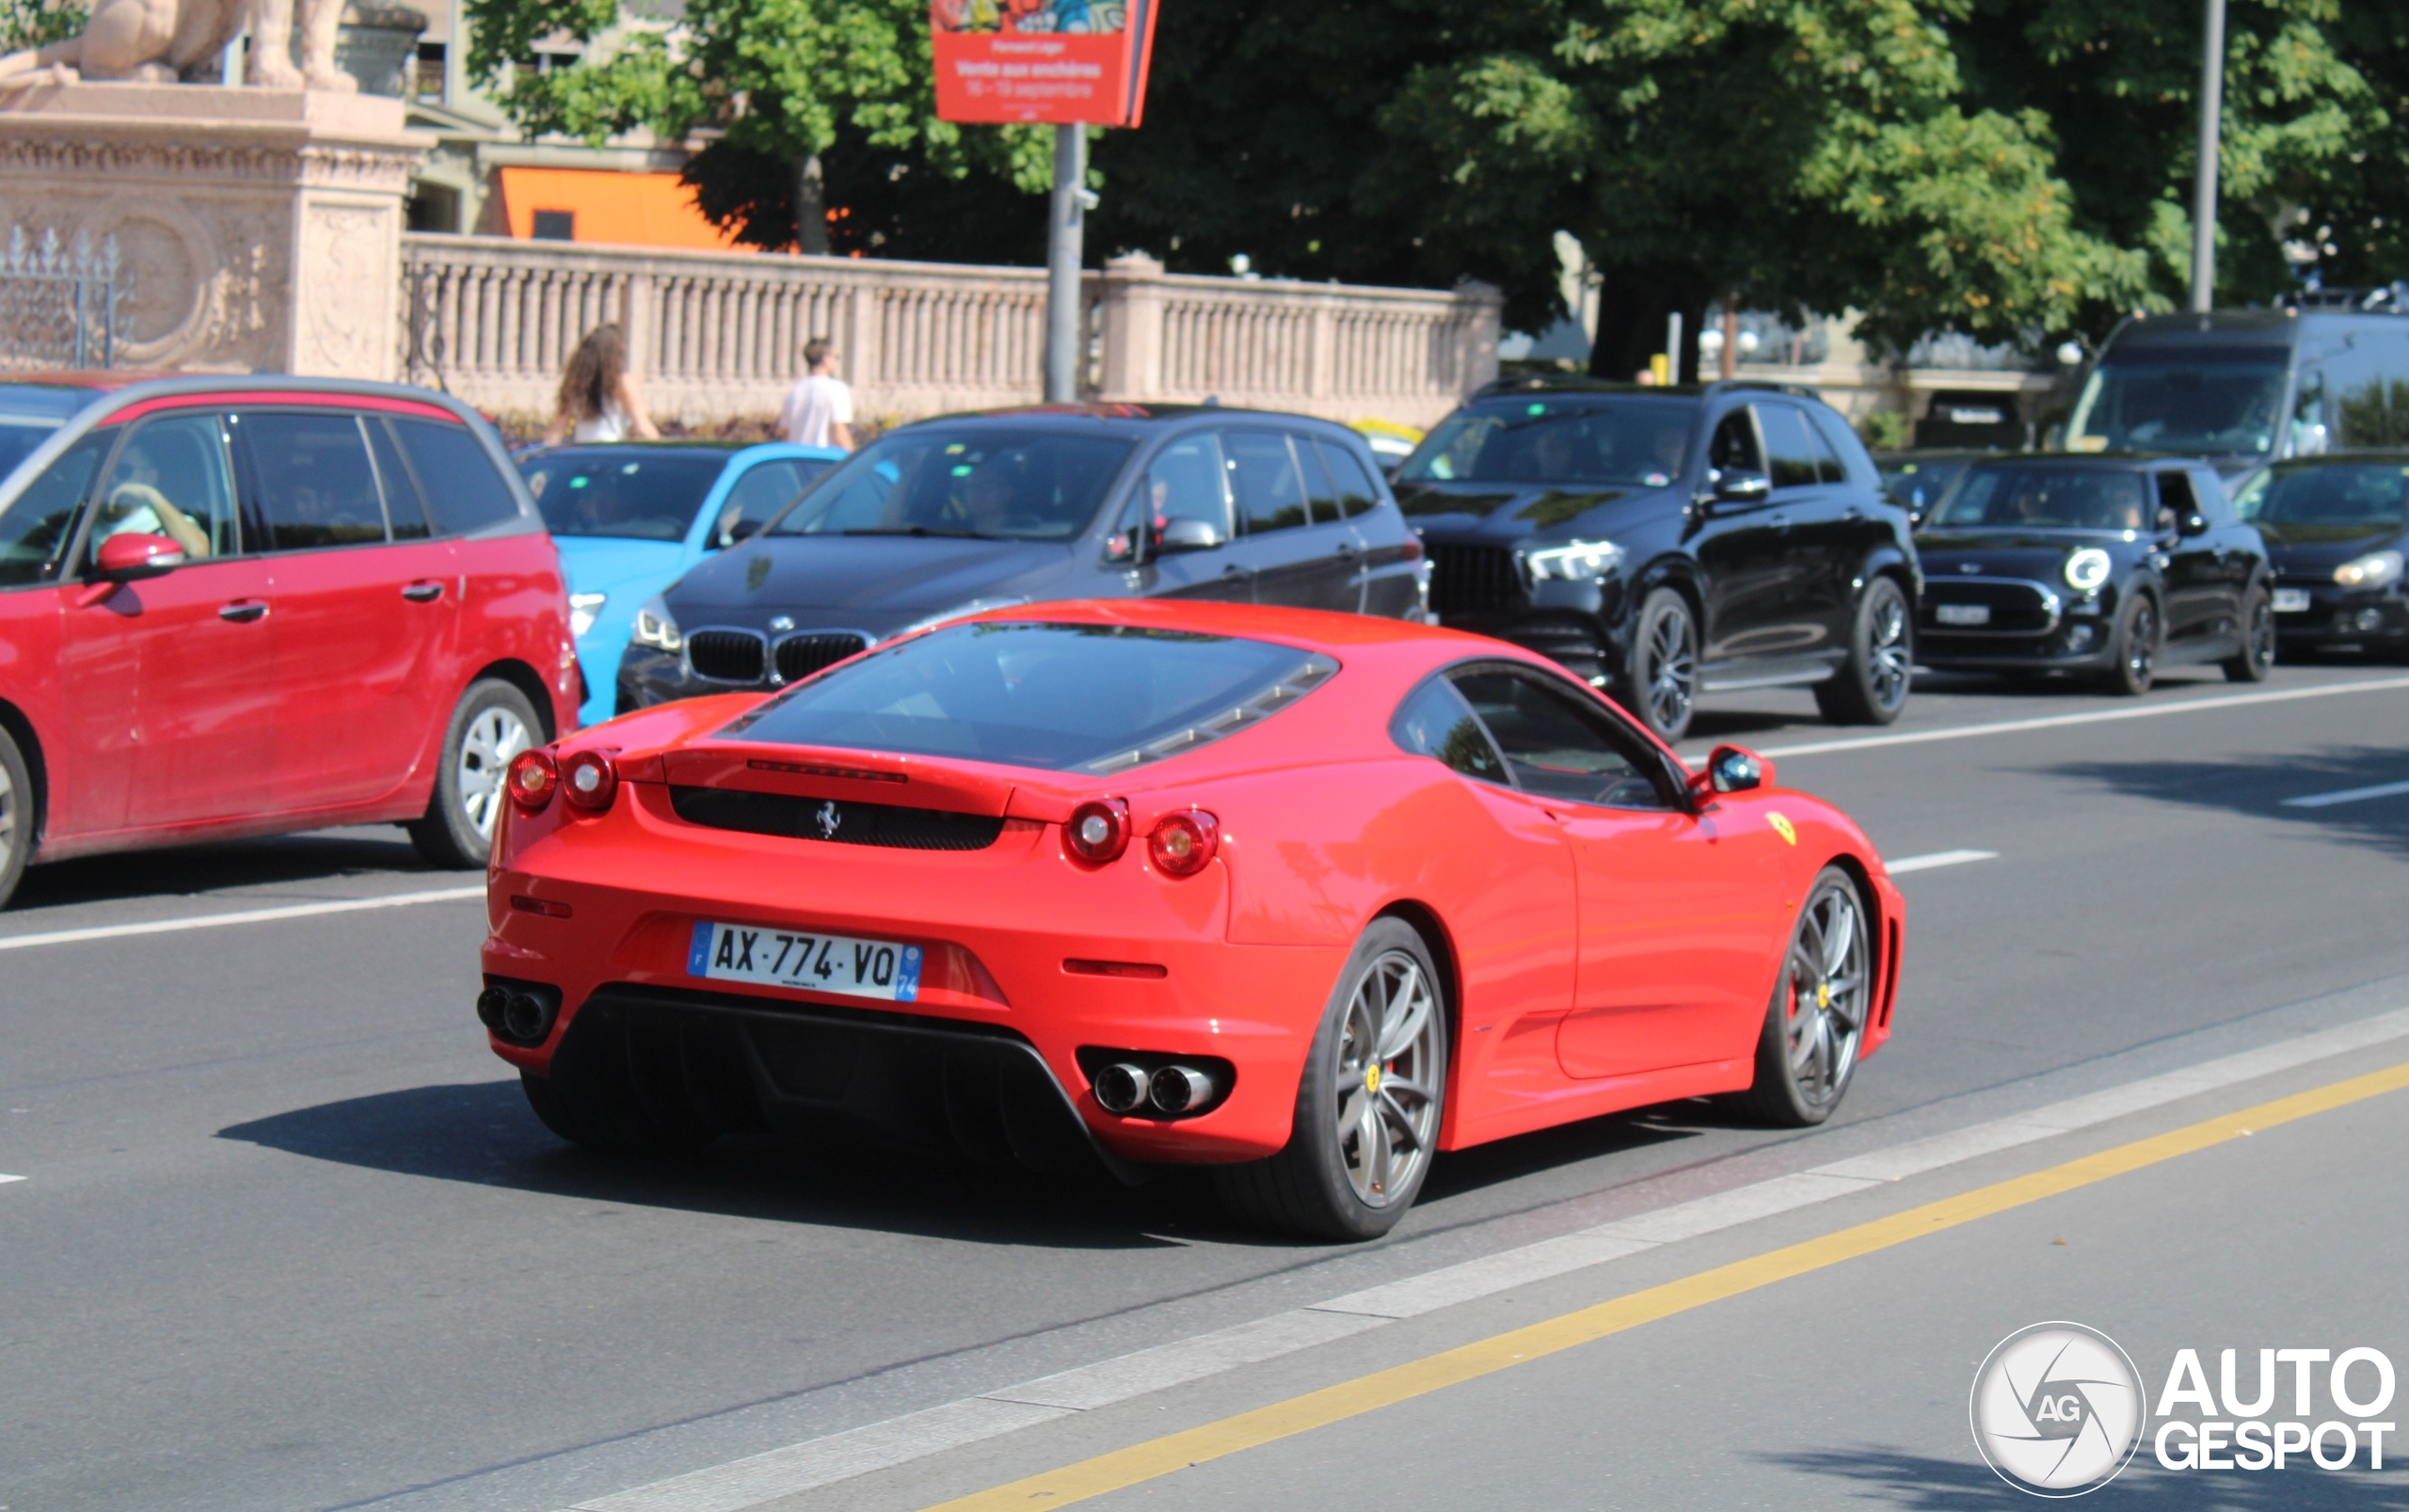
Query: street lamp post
pixel 2204 188
pixel 1065 233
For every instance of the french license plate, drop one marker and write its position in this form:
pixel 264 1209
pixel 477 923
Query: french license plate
pixel 792 958
pixel 2291 600
pixel 1963 613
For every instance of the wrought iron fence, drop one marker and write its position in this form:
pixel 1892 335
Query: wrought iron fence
pixel 62 304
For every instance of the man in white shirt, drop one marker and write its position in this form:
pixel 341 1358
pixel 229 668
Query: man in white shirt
pixel 820 409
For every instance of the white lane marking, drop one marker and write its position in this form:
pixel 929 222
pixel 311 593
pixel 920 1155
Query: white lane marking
pixel 6 1180
pixel 248 915
pixel 2052 721
pixel 1939 858
pixel 2348 795
pixel 817 1462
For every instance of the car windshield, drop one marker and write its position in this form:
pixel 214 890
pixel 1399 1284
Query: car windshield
pixel 638 495
pixel 999 483
pixel 1920 484
pixel 1065 697
pixel 2055 497
pixel 2228 405
pixel 2331 493
pixel 1628 440
pixel 19 435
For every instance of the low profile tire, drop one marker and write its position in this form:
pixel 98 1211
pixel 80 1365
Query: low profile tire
pixel 2137 644
pixel 1369 1101
pixel 2258 655
pixel 1659 682
pixel 1816 1022
pixel 16 817
pixel 493 723
pixel 590 1098
pixel 1872 685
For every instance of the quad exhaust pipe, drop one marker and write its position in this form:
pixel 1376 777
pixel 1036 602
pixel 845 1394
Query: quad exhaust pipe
pixel 1123 1088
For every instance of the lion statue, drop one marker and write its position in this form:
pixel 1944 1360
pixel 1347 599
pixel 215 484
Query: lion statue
pixel 162 42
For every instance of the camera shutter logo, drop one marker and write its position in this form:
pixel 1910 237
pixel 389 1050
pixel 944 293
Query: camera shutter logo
pixel 2058 1409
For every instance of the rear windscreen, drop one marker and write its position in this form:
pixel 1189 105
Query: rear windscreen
pixel 642 496
pixel 1092 697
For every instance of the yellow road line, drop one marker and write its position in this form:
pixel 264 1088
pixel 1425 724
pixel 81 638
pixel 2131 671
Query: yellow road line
pixel 1156 1458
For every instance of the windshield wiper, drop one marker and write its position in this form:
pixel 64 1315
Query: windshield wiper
pixel 923 530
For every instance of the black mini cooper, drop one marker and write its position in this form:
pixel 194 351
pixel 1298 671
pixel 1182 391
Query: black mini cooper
pixel 2108 566
pixel 1668 542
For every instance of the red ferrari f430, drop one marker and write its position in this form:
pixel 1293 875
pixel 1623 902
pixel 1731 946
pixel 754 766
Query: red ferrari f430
pixel 1306 897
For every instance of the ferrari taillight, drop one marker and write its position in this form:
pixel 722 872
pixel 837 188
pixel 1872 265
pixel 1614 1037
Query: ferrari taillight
pixel 532 778
pixel 1098 829
pixel 1183 843
pixel 588 781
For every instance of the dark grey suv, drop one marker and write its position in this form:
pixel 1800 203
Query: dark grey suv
pixel 1669 542
pixel 979 511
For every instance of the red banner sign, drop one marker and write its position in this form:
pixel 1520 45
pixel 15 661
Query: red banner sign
pixel 1058 61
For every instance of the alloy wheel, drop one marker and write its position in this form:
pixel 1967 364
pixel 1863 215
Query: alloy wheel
pixel 1668 671
pixel 1890 658
pixel 492 738
pixel 1828 990
pixel 2261 646
pixel 1388 1078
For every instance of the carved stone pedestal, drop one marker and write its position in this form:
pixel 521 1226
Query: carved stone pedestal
pixel 261 228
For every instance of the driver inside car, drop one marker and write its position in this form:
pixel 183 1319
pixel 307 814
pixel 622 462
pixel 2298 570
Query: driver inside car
pixel 137 504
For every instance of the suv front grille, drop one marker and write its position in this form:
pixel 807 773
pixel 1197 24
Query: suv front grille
pixel 1472 579
pixel 800 655
pixel 726 656
pixel 840 823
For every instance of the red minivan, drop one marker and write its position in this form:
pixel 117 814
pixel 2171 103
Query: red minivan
pixel 238 606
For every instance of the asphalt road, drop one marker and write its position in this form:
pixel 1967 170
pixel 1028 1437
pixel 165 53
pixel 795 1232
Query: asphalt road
pixel 288 1238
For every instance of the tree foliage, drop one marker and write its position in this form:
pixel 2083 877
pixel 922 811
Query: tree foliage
pixel 25 23
pixel 772 83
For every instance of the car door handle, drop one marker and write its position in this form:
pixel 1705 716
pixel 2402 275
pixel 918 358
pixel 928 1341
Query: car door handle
pixel 1231 569
pixel 1779 522
pixel 244 611
pixel 423 593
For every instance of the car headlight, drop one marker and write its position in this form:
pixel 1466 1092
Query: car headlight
pixel 582 608
pixel 975 606
pixel 2087 569
pixel 2374 570
pixel 655 628
pixel 1572 561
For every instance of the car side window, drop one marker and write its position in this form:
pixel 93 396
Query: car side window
pixel 1734 448
pixel 1790 451
pixel 1434 721
pixel 465 490
pixel 1319 491
pixel 36 528
pixel 405 517
pixel 1553 745
pixel 1357 493
pixel 1265 477
pixel 1185 481
pixel 315 485
pixel 1828 462
pixel 765 488
pixel 2175 499
pixel 1841 446
pixel 171 479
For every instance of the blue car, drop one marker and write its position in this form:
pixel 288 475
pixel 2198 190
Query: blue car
pixel 629 518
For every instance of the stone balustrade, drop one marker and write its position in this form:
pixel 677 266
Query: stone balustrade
pixel 716 335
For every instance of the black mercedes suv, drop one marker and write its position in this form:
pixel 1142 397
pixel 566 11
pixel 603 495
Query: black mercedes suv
pixel 1669 542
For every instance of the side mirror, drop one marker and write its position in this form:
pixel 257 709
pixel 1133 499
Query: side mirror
pixel 2194 523
pixel 742 530
pixel 1742 487
pixel 1732 768
pixel 1188 535
pixel 134 555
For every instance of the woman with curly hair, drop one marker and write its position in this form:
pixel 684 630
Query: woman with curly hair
pixel 599 401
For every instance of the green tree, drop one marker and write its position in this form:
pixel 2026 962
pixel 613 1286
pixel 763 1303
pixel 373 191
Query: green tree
pixel 25 23
pixel 829 101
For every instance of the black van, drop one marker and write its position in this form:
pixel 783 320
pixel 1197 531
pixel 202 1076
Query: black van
pixel 2240 388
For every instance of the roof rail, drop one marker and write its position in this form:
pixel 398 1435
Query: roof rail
pixel 2388 299
pixel 1798 390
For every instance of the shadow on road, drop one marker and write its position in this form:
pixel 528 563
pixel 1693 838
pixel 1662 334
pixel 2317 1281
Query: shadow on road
pixel 483 1133
pixel 1922 1482
pixel 200 868
pixel 2258 788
